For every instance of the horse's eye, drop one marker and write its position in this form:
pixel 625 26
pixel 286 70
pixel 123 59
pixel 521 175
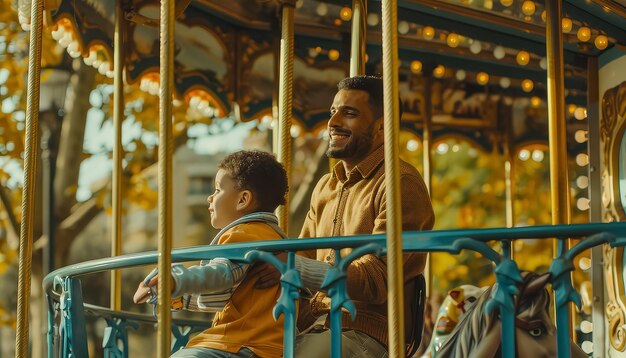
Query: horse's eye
pixel 471 299
pixel 536 332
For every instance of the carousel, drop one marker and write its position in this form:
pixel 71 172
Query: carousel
pixel 513 111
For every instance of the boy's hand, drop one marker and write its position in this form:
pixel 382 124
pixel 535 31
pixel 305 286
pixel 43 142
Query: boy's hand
pixel 267 275
pixel 144 292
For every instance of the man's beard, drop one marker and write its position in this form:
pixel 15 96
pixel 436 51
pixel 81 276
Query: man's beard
pixel 357 147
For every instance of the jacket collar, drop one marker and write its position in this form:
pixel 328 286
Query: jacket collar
pixel 364 169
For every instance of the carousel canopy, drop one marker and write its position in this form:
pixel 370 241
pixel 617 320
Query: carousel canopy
pixel 492 52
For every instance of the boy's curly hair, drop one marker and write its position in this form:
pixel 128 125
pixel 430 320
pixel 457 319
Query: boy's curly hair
pixel 260 173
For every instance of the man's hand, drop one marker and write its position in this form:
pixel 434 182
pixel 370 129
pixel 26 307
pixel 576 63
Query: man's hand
pixel 266 274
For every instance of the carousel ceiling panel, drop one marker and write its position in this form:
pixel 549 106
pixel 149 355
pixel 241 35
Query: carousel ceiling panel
pixel 223 50
pixel 314 88
pixel 203 47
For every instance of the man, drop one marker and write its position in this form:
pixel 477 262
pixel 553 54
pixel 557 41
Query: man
pixel 350 201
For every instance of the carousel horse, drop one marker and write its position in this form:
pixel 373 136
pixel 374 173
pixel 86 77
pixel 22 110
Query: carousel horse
pixel 478 335
pixel 457 303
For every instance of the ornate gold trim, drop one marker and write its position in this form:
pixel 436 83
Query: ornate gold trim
pixel 612 128
pixel 615 307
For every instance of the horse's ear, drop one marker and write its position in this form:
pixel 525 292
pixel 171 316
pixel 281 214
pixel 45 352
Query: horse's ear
pixel 536 284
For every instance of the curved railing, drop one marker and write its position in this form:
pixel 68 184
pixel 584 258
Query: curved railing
pixel 65 296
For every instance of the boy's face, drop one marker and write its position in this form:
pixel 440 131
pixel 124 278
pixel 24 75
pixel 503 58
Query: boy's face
pixel 223 202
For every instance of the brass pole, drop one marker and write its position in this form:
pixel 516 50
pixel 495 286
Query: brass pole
pixel 357 39
pixel 31 160
pixel 427 133
pixel 395 295
pixel 509 172
pixel 275 94
pixel 559 183
pixel 118 117
pixel 285 101
pixel 165 175
pixel 509 181
pixel 427 164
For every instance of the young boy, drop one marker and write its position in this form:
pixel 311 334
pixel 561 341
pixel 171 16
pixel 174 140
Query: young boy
pixel 249 185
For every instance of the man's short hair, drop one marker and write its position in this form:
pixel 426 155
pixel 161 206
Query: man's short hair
pixel 373 85
pixel 260 173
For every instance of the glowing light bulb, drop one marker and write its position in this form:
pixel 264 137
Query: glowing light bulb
pixel 543 16
pixel 601 42
pixel 476 47
pixel 333 55
pixel 498 52
pixel 571 108
pixel 482 78
pixel 580 136
pixel 527 85
pixel 505 82
pixel 523 57
pixel 439 71
pixel 528 7
pixel 322 9
pixel 403 27
pixel 372 19
pixel 524 155
pixel 452 40
pixel 584 34
pixel 566 25
pixel 345 13
pixel 428 32
pixel 416 66
pixel 580 113
pixel 535 101
pixel 460 75
pixel 506 2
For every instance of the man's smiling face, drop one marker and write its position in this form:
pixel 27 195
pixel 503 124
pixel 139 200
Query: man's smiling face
pixel 352 128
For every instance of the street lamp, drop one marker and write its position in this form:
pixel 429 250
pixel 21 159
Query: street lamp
pixel 52 99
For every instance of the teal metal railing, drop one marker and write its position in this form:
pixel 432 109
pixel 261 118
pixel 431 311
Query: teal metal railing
pixel 65 296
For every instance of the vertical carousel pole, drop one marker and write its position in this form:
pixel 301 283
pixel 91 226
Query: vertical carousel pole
pixel 427 161
pixel 357 39
pixel 165 176
pixel 595 205
pixel 118 117
pixel 275 93
pixel 285 100
pixel 30 174
pixel 509 190
pixel 559 183
pixel 509 172
pixel 395 293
